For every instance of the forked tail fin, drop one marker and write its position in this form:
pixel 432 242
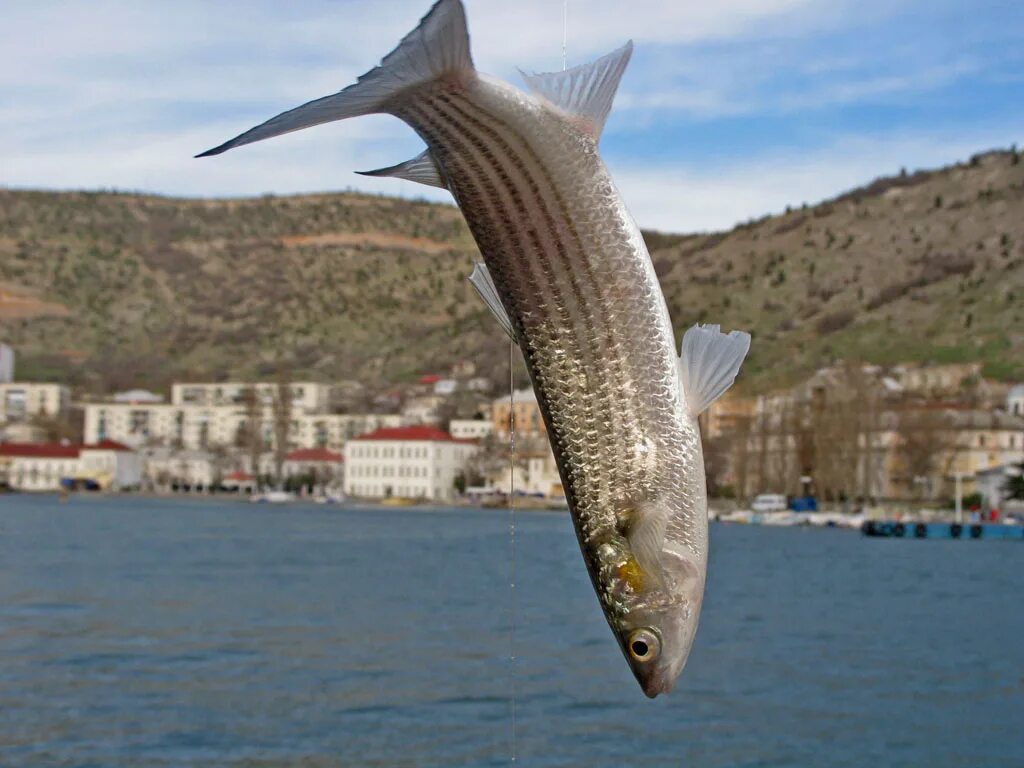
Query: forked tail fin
pixel 439 46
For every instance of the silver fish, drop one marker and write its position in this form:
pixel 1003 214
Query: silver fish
pixel 567 273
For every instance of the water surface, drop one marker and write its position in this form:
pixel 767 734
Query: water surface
pixel 138 632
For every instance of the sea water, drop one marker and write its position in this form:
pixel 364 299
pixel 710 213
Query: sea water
pixel 143 632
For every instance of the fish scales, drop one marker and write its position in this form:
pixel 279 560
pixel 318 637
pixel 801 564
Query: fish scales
pixel 574 278
pixel 581 293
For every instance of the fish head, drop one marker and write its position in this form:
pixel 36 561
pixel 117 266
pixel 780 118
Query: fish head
pixel 657 626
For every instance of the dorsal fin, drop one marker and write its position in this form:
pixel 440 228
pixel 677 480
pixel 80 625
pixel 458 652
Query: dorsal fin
pixel 708 363
pixel 422 169
pixel 484 285
pixel 587 90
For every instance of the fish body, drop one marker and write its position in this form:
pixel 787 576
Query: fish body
pixel 578 292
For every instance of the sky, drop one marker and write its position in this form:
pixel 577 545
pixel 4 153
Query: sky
pixel 729 110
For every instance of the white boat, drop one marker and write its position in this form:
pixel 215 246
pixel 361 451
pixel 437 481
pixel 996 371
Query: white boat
pixel 329 499
pixel 783 518
pixel 273 497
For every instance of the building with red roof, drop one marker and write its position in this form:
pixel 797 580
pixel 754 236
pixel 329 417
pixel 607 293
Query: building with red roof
pixel 415 462
pixel 51 466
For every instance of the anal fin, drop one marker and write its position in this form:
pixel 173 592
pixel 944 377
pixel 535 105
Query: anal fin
pixel 484 285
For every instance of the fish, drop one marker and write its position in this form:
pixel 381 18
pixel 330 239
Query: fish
pixel 567 274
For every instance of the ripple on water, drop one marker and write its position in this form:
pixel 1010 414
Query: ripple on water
pixel 157 634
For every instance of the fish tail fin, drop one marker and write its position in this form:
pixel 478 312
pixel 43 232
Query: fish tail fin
pixel 437 48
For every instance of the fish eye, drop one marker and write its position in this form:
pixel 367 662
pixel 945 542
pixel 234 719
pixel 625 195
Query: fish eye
pixel 644 645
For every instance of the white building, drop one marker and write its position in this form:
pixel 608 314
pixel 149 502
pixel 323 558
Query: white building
pixel 52 466
pixel 307 396
pixel 180 470
pixel 409 462
pixel 21 400
pixel 479 384
pixel 333 430
pixel 536 473
pixel 37 466
pixel 198 427
pixel 470 429
pixel 137 396
pixel 188 426
pixel 112 465
pixel 422 409
pixel 445 386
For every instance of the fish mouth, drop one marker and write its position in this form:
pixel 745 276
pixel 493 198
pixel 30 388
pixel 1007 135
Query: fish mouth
pixel 656 683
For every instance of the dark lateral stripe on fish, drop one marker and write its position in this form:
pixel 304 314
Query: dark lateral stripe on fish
pixel 484 164
pixel 475 164
pixel 478 176
pixel 470 115
pixel 596 309
pixel 535 260
pixel 619 411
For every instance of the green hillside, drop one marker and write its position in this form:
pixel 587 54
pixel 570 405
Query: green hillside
pixel 107 290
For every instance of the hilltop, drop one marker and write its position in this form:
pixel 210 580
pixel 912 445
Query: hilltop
pixel 106 290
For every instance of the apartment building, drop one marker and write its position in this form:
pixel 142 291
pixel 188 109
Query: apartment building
pixel 307 396
pixel 202 425
pixel 20 400
pixel 470 429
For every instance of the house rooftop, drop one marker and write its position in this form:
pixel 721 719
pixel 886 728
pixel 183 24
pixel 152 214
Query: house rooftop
pixel 419 433
pixel 314 454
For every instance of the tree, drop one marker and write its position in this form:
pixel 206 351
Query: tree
pixel 57 428
pixel 925 437
pixel 249 436
pixel 282 418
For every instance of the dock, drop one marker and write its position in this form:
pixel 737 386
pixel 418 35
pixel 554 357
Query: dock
pixel 919 530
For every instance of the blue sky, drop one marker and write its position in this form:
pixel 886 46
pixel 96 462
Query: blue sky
pixel 729 110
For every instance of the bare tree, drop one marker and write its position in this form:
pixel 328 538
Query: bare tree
pixel 926 438
pixel 282 417
pixel 57 428
pixel 250 433
pixel 741 456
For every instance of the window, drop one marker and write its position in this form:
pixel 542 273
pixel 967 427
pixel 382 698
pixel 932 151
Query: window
pixel 14 404
pixel 139 423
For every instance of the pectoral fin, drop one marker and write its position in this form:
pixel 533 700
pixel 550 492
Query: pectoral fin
pixel 708 363
pixel 644 528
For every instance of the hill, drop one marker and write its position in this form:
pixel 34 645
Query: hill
pixel 106 290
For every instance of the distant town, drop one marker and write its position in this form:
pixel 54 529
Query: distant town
pixel 850 434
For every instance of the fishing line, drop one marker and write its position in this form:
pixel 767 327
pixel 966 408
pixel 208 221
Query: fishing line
pixel 565 30
pixel 513 607
pixel 512 536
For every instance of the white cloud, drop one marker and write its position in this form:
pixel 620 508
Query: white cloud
pixel 681 198
pixel 121 94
